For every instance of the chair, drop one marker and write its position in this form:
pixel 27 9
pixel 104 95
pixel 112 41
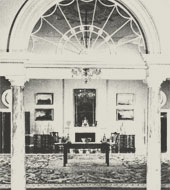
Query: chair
pixel 115 142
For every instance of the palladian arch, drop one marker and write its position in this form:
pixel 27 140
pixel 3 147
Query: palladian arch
pixel 87 28
pixel 32 11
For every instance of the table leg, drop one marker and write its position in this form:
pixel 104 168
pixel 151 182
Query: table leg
pixel 107 156
pixel 65 157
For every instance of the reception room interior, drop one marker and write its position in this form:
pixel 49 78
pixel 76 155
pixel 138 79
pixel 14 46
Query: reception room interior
pixel 84 94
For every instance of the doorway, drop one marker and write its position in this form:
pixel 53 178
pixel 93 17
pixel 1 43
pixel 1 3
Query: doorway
pixel 163 132
pixel 5 132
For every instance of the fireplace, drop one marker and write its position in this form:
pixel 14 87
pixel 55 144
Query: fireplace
pixel 84 137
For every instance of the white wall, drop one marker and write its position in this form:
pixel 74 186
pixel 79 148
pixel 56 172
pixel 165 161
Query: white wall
pixel 44 86
pixel 138 126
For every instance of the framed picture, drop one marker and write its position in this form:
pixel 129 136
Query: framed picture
pixel 125 114
pixel 124 99
pixel 44 98
pixel 44 114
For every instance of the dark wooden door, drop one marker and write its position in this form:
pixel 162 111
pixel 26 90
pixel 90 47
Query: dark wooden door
pixel 27 122
pixel 5 132
pixel 163 132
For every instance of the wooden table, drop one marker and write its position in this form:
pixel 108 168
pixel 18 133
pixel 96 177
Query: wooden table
pixel 103 146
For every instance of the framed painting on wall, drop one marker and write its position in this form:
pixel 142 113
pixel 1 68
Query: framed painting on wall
pixel 124 99
pixel 44 98
pixel 125 114
pixel 44 114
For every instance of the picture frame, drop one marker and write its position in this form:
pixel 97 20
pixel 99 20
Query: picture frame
pixel 44 114
pixel 125 99
pixel 125 114
pixel 44 98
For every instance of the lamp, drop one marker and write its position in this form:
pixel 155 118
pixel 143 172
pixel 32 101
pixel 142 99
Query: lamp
pixel 85 73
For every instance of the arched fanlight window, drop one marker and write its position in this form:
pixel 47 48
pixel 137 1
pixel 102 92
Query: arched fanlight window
pixel 86 26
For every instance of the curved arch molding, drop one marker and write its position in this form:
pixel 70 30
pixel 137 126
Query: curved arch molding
pixel 31 11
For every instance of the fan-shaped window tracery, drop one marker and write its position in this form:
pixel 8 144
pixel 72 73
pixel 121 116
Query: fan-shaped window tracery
pixel 84 27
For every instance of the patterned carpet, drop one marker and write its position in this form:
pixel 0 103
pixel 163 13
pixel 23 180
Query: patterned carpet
pixel 85 169
pixel 82 170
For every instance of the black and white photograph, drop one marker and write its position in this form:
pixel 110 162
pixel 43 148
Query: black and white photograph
pixel 125 114
pixel 125 99
pixel 84 95
pixel 44 114
pixel 44 98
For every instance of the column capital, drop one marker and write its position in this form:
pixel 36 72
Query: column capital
pixel 17 80
pixel 155 76
pixel 154 82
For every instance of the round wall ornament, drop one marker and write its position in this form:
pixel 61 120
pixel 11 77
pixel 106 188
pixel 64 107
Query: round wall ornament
pixel 163 98
pixel 7 98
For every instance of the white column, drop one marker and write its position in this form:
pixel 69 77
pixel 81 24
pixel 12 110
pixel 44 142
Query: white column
pixel 18 177
pixel 154 135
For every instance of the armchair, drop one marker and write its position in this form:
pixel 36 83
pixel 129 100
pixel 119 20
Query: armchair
pixel 115 141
